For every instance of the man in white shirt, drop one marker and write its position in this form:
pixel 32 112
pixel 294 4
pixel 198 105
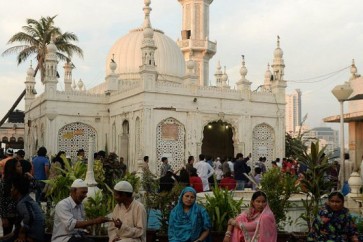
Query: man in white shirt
pixel 204 171
pixel 69 218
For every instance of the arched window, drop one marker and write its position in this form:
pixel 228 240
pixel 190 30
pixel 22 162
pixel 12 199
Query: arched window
pixel 21 140
pixel 12 139
pixel 4 139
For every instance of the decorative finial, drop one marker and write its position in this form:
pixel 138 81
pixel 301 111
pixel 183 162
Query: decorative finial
pixel 243 60
pixel 147 10
pixel 278 41
pixel 268 66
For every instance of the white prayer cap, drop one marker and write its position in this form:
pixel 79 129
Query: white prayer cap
pixel 123 186
pixel 78 183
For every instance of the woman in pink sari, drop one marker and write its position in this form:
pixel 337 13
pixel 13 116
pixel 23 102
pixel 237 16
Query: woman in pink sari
pixel 257 224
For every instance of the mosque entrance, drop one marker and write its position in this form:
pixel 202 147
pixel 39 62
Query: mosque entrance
pixel 218 140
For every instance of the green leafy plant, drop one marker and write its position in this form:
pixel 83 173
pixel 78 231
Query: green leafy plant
pixel 278 187
pixel 59 185
pixel 94 209
pixel 315 181
pixel 221 207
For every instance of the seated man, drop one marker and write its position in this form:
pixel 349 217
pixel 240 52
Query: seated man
pixel 129 216
pixel 30 223
pixel 69 220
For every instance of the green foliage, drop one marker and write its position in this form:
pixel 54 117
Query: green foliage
pixel 164 201
pixel 315 181
pixel 112 168
pixel 94 209
pixel 58 187
pixel 293 145
pixel 221 207
pixel 278 187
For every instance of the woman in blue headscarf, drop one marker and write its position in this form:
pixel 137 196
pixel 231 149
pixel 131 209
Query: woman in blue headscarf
pixel 188 221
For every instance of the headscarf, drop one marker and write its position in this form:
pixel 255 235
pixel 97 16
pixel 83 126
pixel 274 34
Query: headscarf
pixel 185 221
pixel 266 229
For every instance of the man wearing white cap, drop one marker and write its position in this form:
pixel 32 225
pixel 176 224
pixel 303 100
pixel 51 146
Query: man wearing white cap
pixel 69 218
pixel 129 216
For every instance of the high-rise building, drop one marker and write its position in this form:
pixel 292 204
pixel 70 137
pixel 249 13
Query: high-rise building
pixel 327 137
pixel 293 111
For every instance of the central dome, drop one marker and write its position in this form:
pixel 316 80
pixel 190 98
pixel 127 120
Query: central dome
pixel 127 54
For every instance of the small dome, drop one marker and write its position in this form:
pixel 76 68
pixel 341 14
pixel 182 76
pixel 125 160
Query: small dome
pixel 113 65
pixel 243 71
pixel 268 73
pixel 219 69
pixel 278 53
pixel 148 33
pixel 127 53
pixel 30 71
pixel 190 64
pixel 51 47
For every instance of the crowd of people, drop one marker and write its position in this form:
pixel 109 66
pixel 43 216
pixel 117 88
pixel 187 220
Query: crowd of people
pixel 22 216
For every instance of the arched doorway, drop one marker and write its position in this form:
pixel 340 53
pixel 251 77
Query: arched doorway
pixel 218 139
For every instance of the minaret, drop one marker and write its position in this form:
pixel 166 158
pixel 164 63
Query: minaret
pixel 268 78
pixel 68 66
pixel 29 87
pixel 148 68
pixel 50 80
pixel 278 65
pixel 243 84
pixel 278 84
pixel 148 44
pixel 195 36
pixel 218 75
pixel 225 79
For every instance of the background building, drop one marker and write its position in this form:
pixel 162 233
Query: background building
pixel 12 132
pixel 327 137
pixel 293 111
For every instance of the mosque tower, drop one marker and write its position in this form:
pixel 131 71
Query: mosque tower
pixel 195 37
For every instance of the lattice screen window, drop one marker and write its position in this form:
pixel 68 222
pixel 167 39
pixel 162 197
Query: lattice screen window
pixel 263 143
pixel 75 136
pixel 170 141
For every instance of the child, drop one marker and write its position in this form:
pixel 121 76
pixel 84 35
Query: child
pixel 334 222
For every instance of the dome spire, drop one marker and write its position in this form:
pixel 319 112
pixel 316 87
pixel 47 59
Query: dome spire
pixel 218 74
pixel 243 84
pixel 148 44
pixel 147 10
pixel 278 64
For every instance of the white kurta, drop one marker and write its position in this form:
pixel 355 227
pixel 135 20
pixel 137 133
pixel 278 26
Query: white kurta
pixel 133 220
pixel 204 171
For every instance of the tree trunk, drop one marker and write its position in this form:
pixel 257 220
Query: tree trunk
pixel 12 108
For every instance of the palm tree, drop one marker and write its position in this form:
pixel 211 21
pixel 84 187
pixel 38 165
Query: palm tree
pixel 33 40
pixel 36 36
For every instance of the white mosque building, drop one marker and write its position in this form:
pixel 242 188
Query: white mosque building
pixel 156 100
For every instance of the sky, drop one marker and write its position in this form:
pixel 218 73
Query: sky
pixel 319 39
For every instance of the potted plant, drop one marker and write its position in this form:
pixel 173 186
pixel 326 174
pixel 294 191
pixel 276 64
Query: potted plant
pixel 221 206
pixel 93 210
pixel 314 181
pixel 279 187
